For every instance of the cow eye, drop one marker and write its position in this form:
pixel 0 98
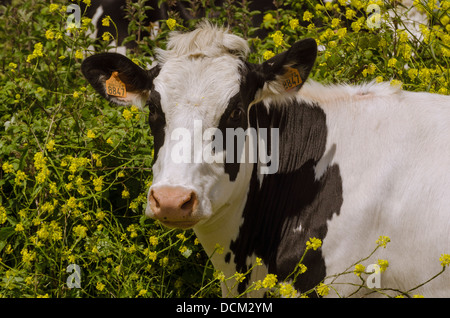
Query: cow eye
pixel 236 114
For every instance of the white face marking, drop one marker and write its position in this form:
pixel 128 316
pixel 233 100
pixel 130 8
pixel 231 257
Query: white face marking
pixel 195 92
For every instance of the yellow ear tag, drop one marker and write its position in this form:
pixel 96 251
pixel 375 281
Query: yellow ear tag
pixel 291 78
pixel 115 87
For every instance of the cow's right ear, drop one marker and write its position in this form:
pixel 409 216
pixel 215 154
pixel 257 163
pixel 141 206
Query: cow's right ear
pixel 118 79
pixel 285 72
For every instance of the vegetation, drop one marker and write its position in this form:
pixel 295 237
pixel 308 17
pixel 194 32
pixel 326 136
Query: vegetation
pixel 75 170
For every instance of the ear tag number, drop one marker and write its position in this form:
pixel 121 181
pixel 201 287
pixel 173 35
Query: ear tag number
pixel 115 87
pixel 292 79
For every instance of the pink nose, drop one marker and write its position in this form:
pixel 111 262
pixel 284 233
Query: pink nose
pixel 174 206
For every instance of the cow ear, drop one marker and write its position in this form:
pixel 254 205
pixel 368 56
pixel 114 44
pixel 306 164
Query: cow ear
pixel 287 71
pixel 118 79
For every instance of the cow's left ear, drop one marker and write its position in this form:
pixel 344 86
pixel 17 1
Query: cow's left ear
pixel 118 79
pixel 287 71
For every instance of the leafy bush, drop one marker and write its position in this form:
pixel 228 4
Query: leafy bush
pixel 75 169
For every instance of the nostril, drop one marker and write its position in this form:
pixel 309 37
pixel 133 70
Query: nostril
pixel 153 200
pixel 189 203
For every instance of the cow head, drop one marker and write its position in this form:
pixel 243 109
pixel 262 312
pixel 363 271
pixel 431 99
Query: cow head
pixel 200 92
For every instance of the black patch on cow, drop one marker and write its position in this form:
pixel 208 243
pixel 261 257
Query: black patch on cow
pixel 234 117
pixel 290 198
pixel 157 121
pixel 227 257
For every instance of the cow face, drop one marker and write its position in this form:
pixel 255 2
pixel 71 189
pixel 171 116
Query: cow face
pixel 199 99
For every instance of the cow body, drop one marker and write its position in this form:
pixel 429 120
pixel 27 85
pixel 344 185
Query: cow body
pixel 379 169
pixel 355 163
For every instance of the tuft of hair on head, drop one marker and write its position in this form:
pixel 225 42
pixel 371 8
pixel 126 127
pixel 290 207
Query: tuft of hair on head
pixel 207 40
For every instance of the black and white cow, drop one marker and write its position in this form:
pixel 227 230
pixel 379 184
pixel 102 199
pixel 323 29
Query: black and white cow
pixel 351 162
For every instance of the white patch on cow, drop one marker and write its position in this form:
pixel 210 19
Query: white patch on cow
pixel 298 229
pixel 325 162
pixel 392 150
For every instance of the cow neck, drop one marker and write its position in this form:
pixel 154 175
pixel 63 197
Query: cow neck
pixel 285 209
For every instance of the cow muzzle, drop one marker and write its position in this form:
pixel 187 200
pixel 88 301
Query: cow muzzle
pixel 174 207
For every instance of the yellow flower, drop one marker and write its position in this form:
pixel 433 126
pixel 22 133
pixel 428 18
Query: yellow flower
pixel 239 277
pixel 369 70
pixel 100 286
pixel 106 36
pixel 445 259
pixel 268 54
pixel 356 26
pixel 396 83
pixel 80 231
pixel 105 21
pixel 71 203
pixel 20 176
pixel 90 134
pixel 127 114
pixel 27 257
pixel 50 145
pixel 78 54
pixel 277 38
pixel 293 24
pixel 219 275
pixel 269 281
pixel 287 290
pixel 152 256
pixel 383 264
pixel 49 35
pixel 38 49
pixel 412 73
pixel 53 7
pixel 359 269
pixel 335 22
pixel 402 35
pixel 30 57
pixel 171 23
pixel 87 2
pixel 19 227
pixel 307 16
pixel 350 14
pixel 268 17
pixel 219 249
pixel 445 19
pixel 313 243
pixel 383 240
pixel 392 62
pixel 39 161
pixel 341 32
pixel 42 175
pixel 109 141
pixel 98 183
pixel 7 167
pixel 322 289
pixel 125 194
pixel 153 240
pixel 379 79
pixel 12 66
pixel 3 215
